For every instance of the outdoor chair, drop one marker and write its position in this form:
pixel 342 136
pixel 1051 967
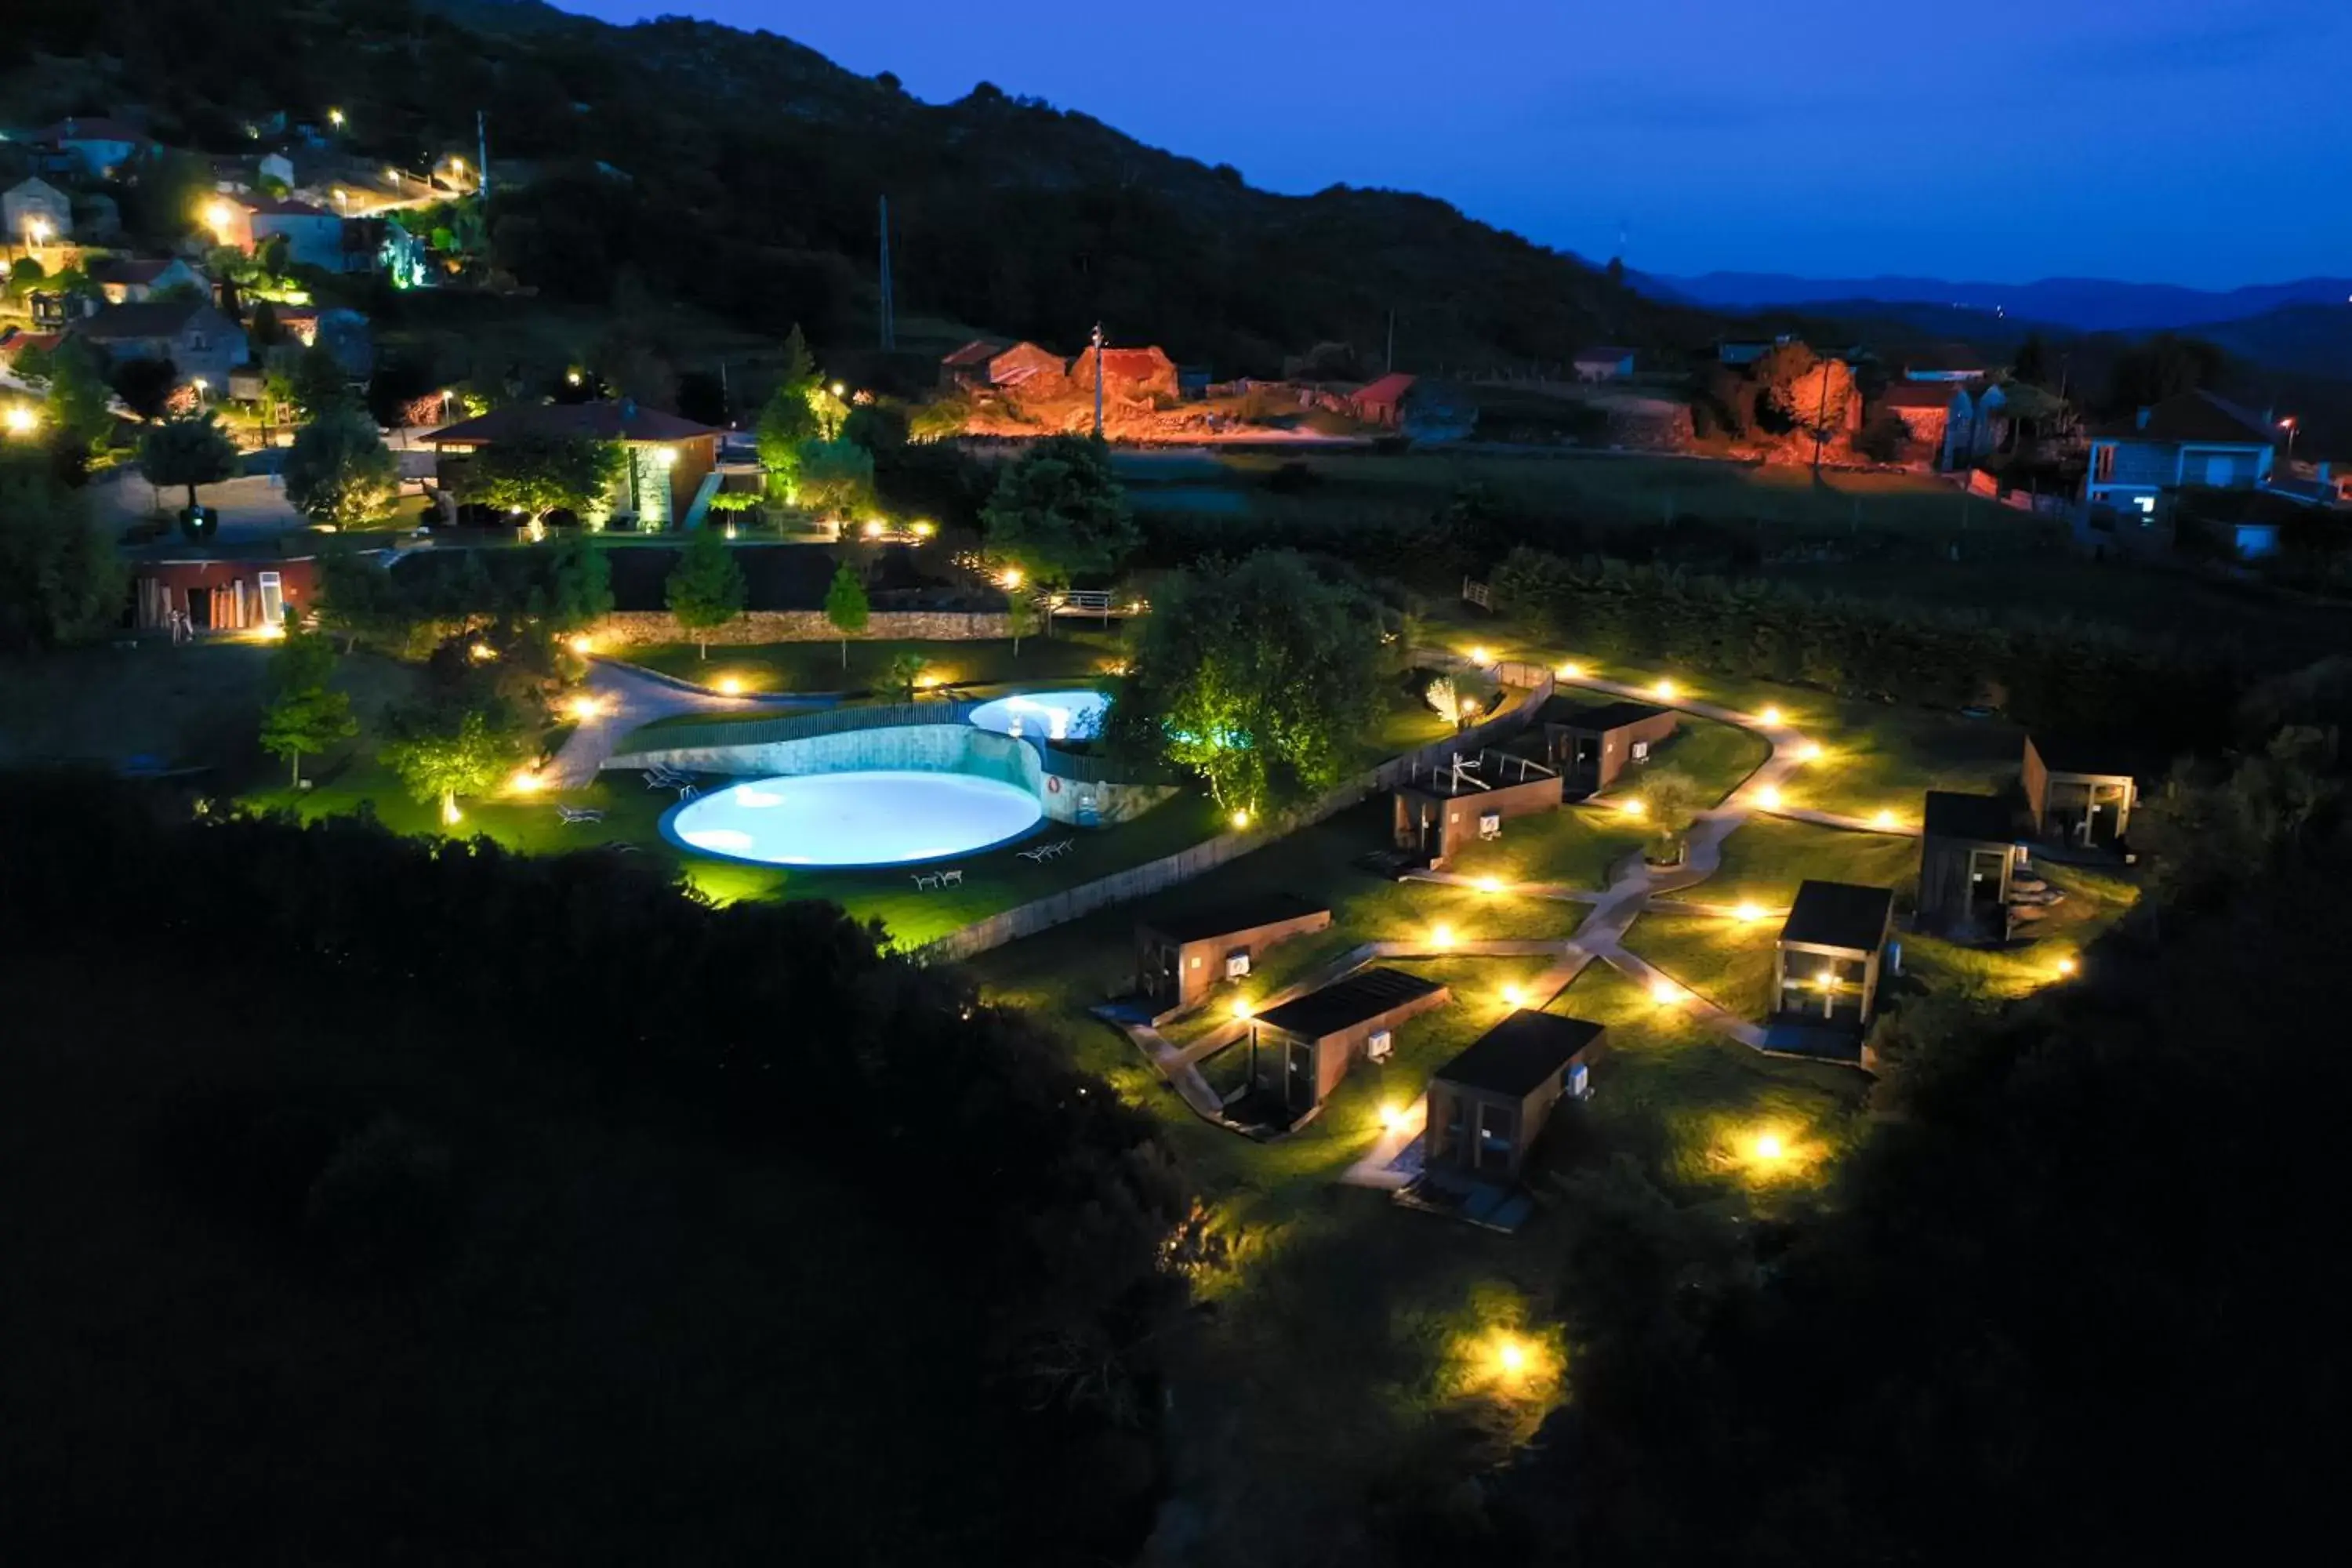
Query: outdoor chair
pixel 579 814
pixel 951 879
pixel 926 880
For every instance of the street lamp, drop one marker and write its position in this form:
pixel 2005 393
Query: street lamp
pixel 335 118
pixel 23 419
pixel 2288 425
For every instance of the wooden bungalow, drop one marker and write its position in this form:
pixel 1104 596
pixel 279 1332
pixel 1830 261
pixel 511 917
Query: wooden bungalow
pixel 1179 959
pixel 1489 1104
pixel 669 477
pixel 1438 813
pixel 1299 1051
pixel 1968 853
pixel 2080 791
pixel 1591 745
pixel 1825 967
pixel 188 590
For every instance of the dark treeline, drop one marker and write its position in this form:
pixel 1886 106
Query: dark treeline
pixel 2060 674
pixel 2073 1300
pixel 1027 1185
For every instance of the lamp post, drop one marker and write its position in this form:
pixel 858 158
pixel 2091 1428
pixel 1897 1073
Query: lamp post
pixel 1097 341
pixel 2288 425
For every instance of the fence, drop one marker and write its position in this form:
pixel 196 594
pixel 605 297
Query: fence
pixel 1170 870
pixel 1513 672
pixel 790 727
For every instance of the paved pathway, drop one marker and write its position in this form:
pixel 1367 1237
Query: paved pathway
pixel 626 699
pixel 1633 887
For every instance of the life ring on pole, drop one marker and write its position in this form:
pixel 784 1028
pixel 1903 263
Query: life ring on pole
pixel 1052 784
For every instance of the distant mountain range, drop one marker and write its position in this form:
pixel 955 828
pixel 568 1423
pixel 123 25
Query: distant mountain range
pixel 2084 304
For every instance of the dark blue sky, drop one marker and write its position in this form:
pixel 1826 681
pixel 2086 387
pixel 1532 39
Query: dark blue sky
pixel 2198 142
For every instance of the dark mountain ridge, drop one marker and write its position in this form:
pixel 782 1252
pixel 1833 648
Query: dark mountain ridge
pixel 2084 304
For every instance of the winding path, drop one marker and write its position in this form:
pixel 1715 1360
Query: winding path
pixel 1633 887
pixel 627 698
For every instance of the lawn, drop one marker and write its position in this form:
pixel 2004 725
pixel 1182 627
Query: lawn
pixel 1727 962
pixel 2094 900
pixel 817 667
pixel 1572 847
pixel 1765 858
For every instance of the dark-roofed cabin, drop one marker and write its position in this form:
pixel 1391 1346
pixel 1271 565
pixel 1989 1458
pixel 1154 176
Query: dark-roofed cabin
pixel 1825 967
pixel 670 457
pixel 1967 848
pixel 1300 1050
pixel 1590 745
pixel 1182 958
pixel 1489 1105
pixel 2079 791
pixel 1437 814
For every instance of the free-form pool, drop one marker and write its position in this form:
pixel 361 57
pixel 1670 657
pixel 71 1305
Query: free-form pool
pixel 875 817
pixel 1045 715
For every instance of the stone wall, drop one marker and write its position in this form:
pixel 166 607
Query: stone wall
pixel 638 628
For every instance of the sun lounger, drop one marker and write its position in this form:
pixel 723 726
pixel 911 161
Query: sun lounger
pixel 579 814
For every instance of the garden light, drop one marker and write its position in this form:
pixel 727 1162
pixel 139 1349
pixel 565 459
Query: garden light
pixel 1570 672
pixel 873 529
pixel 585 709
pixel 1490 884
pixel 1441 936
pixel 1748 912
pixel 1770 715
pixel 220 215
pixel 1634 805
pixel 1811 751
pixel 2067 967
pixel 1769 798
pixel 1240 1008
pixel 1663 992
pixel 1514 996
pixel 1511 1356
pixel 483 653
pixel 526 781
pixel 1665 689
pixel 1479 656
pixel 23 419
pixel 730 685
pixel 450 815
pixel 1011 578
pixel 1241 819
pixel 1392 1118
pixel 584 645
pixel 1768 1146
pixel 1883 818
pixel 335 118
pixel 270 631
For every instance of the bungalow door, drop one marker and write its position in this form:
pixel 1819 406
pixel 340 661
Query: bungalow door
pixel 1298 1078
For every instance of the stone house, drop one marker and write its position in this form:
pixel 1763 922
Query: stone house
pixel 125 281
pixel 1135 375
pixel 673 463
pixel 985 365
pixel 202 344
pixel 34 212
pixel 1939 419
pixel 96 147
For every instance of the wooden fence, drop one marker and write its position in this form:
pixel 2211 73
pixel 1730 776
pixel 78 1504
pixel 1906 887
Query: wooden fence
pixel 790 727
pixel 1170 870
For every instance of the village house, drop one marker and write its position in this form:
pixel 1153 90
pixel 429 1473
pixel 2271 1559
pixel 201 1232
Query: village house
pixel 1299 1051
pixel 125 281
pixel 197 589
pixel 1467 801
pixel 202 344
pixel 1605 364
pixel 313 235
pixel 2195 438
pixel 1825 966
pixel 1939 419
pixel 2080 791
pixel 1135 375
pixel 670 476
pixel 1179 959
pixel 1415 405
pixel 1489 1104
pixel 1747 350
pixel 96 147
pixel 985 365
pixel 343 330
pixel 34 212
pixel 1382 401
pixel 1592 744
pixel 1968 856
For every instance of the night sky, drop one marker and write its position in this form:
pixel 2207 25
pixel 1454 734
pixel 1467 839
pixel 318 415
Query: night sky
pixel 2198 141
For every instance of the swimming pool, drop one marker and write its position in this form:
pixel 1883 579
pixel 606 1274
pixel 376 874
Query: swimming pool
pixel 871 818
pixel 1045 715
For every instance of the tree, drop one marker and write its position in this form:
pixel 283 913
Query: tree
pixel 79 395
pixel 441 756
pixel 2165 366
pixel 903 675
pixel 2031 364
pixel 145 386
pixel 25 275
pixel 1883 436
pixel 1670 804
pixel 318 382
pixel 338 472
pixel 1260 678
pixel 190 451
pixel 579 584
pixel 1058 512
pixel 877 426
pixel 1021 617
pixel 305 713
pixel 846 607
pixel 60 579
pixel 358 597
pixel 836 479
pixel 706 589
pixel 532 476
pixel 788 421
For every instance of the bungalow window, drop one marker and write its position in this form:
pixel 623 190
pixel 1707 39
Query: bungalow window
pixel 2102 463
pixel 273 598
pixel 1641 750
pixel 196 343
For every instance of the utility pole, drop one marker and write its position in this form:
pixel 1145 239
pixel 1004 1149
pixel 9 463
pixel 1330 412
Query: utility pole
pixel 1821 416
pixel 1098 353
pixel 889 303
pixel 1391 360
pixel 482 156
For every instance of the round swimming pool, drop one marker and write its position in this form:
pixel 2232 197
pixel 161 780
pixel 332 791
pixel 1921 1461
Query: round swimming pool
pixel 1045 715
pixel 873 818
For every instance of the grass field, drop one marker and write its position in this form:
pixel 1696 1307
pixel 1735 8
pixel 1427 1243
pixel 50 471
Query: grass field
pixel 817 667
pixel 1765 858
pixel 1727 961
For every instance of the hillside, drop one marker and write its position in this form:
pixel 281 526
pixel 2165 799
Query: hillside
pixel 739 172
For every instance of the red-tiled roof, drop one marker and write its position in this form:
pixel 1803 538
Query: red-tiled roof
pixel 978 351
pixel 280 206
pixel 1137 363
pixel 1388 389
pixel 2197 417
pixel 148 318
pixel 123 270
pixel 1918 394
pixel 597 421
pixel 19 341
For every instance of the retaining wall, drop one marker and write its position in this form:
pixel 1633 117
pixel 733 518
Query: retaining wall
pixel 635 628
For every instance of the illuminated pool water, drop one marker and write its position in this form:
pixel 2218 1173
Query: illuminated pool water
pixel 1045 715
pixel 875 817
